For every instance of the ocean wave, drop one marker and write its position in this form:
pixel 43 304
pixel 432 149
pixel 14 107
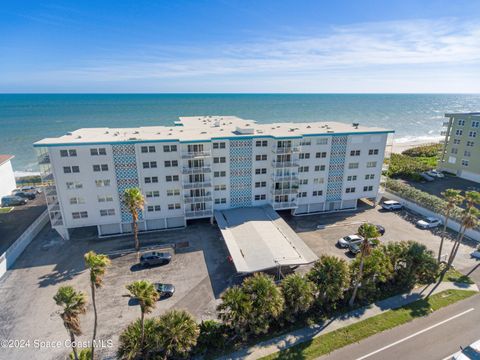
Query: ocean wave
pixel 411 139
pixel 25 173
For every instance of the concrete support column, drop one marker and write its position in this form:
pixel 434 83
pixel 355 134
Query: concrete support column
pixel 63 232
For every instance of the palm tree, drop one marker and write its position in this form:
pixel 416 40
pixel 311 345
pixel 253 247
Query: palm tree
pixel 144 292
pixel 469 221
pixel 453 198
pixel 74 305
pixel 97 263
pixel 299 295
pixel 177 333
pixel 367 231
pixel 235 310
pixel 134 201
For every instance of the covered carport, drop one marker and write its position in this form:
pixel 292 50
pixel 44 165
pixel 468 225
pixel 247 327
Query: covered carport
pixel 258 239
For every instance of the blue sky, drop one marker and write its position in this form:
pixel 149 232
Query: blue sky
pixel 240 46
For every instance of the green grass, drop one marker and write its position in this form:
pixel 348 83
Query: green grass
pixel 453 275
pixel 5 210
pixel 331 341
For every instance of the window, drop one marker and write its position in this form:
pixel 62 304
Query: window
pixel 148 149
pixel 454 151
pixel 373 152
pixel 302 194
pixel 371 164
pixel 68 153
pixel 321 155
pixel 153 208
pixel 219 160
pixel 104 198
pixel 153 179
pixel 260 197
pixel 350 190
pixel 169 148
pixel 464 162
pixel 175 206
pixel 304 156
pixel 470 143
pixel 355 153
pixel 173 192
pixel 150 165
pixel 461 122
pixel 219 145
pixel 317 193
pixel 77 200
pixel 322 141
pixel 102 167
pixel 319 167
pixel 151 194
pixel 171 163
pixel 318 180
pixel 368 188
pixel 261 143
pixel 456 141
pixel 80 215
pixel 71 169
pixel 369 176
pixel 475 124
pixel 260 171
pixel 303 169
pixel 98 151
pixel 353 166
pixel 107 212
pixel 472 134
pixel 305 142
pixel 303 181
pixel 467 153
pixel 102 183
pixel 221 201
pixel 459 132
pixel 220 187
pixel 352 178
pixel 219 174
pixel 260 184
pixel 170 178
pixel 74 185
pixel 261 157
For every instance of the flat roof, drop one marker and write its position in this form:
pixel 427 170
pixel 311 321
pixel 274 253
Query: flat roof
pixel 4 158
pixel 206 128
pixel 259 239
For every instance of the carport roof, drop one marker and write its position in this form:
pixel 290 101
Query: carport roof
pixel 259 239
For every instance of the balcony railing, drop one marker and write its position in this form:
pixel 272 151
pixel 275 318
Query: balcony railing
pixel 446 123
pixel 197 185
pixel 284 205
pixel 50 191
pixel 196 170
pixel 286 177
pixel 195 154
pixel 197 199
pixel 47 177
pixel 285 191
pixel 56 219
pixel 286 150
pixel 44 159
pixel 198 213
pixel 283 164
pixel 443 133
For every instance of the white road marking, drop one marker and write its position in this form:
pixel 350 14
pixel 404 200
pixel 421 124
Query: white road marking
pixel 450 357
pixel 415 334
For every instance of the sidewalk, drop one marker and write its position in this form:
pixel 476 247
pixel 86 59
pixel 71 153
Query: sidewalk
pixel 288 340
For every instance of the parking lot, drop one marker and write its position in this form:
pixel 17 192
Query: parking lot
pixel 199 270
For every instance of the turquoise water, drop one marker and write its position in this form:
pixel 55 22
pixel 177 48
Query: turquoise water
pixel 25 119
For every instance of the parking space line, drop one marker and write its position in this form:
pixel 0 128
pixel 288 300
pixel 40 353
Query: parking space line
pixel 416 334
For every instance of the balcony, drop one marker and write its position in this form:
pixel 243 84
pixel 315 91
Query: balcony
pixel 195 154
pixel 197 199
pixel 446 123
pixel 198 213
pixel 291 190
pixel 285 177
pixel 443 133
pixel 44 159
pixel 284 164
pixel 196 170
pixel 197 185
pixel 284 205
pixel 54 207
pixel 50 191
pixel 286 150
pixel 56 219
pixel 47 177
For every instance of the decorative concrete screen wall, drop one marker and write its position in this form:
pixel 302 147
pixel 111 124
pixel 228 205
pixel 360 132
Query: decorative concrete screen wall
pixel 240 173
pixel 336 169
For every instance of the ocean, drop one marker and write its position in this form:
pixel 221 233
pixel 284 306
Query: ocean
pixel 26 118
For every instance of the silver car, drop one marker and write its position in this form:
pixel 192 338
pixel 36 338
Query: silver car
pixel 346 241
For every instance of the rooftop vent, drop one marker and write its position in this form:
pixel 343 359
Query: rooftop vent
pixel 69 133
pixel 308 126
pixel 136 132
pixel 132 138
pixel 330 131
pixel 355 125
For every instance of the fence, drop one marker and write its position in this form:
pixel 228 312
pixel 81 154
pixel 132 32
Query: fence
pixel 8 258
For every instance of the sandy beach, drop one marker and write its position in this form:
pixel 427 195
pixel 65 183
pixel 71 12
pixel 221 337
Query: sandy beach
pixel 400 146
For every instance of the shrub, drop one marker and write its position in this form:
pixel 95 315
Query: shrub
pixel 430 150
pixel 408 167
pixel 212 336
pixel 130 340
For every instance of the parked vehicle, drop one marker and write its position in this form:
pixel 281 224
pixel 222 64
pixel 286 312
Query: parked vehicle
pixel 12 200
pixel 32 189
pixel 426 177
pixel 429 223
pixel 350 239
pixel 380 229
pixel 435 173
pixel 164 290
pixel 155 258
pixel 25 195
pixel 355 248
pixel 391 205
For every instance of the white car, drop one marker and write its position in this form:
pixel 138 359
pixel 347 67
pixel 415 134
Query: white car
pixel 429 223
pixel 470 352
pixel 435 173
pixel 391 205
pixel 346 241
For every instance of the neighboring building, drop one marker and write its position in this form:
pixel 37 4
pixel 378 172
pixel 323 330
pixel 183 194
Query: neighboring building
pixel 460 154
pixel 7 177
pixel 207 163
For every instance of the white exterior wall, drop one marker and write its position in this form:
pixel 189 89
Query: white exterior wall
pixel 7 179
pixel 160 219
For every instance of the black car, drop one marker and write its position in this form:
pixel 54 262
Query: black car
pixel 380 229
pixel 155 258
pixel 164 290
pixel 25 195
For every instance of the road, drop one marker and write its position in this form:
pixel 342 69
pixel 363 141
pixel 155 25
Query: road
pixel 435 337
